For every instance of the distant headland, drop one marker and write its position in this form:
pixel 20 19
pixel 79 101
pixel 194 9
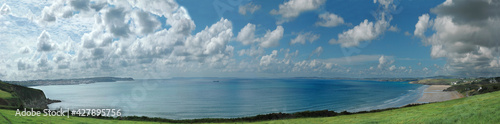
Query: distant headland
pixel 69 81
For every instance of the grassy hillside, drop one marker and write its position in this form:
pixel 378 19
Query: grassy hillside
pixel 482 108
pixel 4 94
pixel 435 81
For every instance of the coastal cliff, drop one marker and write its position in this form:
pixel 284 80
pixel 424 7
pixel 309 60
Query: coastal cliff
pixel 23 97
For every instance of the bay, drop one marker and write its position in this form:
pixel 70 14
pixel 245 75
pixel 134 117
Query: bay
pixel 189 98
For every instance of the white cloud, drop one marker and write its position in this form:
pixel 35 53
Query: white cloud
pixel 157 7
pixel 181 22
pixel 384 61
pixel 272 38
pixel 25 50
pixel 119 39
pixel 145 23
pixel 251 8
pixel 292 9
pixel 463 34
pixel 45 43
pixel 402 68
pixel 367 31
pixel 247 34
pixel 495 63
pixel 393 28
pixel 268 59
pixel 115 22
pixel 5 9
pixel 303 37
pixel 392 68
pixel 66 9
pixel 421 26
pixel 329 20
pixel 317 51
pixel 80 5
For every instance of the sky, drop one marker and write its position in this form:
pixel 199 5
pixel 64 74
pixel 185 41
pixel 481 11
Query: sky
pixel 53 39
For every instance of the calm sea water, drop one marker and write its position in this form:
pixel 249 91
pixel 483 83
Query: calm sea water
pixel 228 98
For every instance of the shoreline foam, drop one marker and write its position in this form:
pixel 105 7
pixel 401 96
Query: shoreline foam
pixel 408 98
pixel 435 93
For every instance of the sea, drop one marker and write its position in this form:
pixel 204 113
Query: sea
pixel 192 98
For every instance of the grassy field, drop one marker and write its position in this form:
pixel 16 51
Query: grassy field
pixel 4 94
pixel 435 81
pixel 484 108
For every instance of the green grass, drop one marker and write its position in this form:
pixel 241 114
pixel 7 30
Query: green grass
pixel 4 94
pixel 435 81
pixel 484 108
pixel 9 116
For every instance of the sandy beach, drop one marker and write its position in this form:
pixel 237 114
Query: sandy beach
pixel 435 93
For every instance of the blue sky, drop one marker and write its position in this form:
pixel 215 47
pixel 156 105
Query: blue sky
pixel 244 38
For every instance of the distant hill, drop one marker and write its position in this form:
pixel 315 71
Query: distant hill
pixel 68 81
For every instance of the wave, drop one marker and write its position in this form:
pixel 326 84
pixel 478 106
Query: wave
pixel 410 97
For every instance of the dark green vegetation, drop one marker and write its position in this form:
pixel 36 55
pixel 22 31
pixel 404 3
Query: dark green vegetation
pixel 15 96
pixel 478 86
pixel 69 81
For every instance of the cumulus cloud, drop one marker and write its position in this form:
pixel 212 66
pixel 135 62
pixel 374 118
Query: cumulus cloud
pixel 268 59
pixel 421 26
pixel 384 61
pixel 5 9
pixel 181 22
pixel 469 12
pixel 392 68
pixel 272 38
pixel 25 50
pixel 393 28
pixel 303 37
pixel 157 7
pixel 464 34
pixel 82 5
pixel 292 9
pixel 114 19
pixel 43 63
pixel 145 23
pixel 22 65
pixel 251 8
pixel 120 34
pixel 329 20
pixel 44 43
pixel 366 30
pixel 60 8
pixel 247 34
